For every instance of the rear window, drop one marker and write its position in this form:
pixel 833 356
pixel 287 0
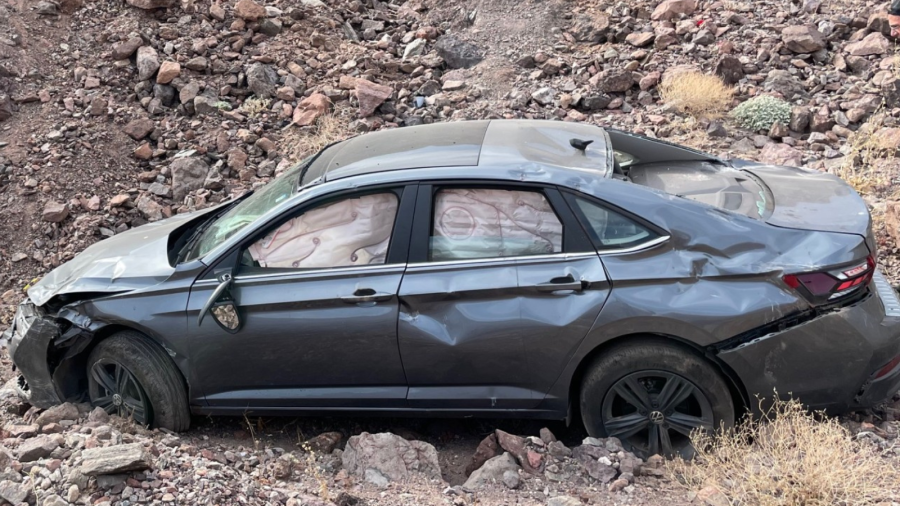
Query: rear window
pixel 610 230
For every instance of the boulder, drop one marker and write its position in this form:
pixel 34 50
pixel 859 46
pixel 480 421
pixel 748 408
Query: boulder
pixel 139 128
pixel 147 62
pixel 188 174
pixel 487 449
pixel 14 493
pixel 515 445
pixel 6 108
pixel 261 80
pixel 115 459
pixel 802 39
pixel 151 4
pixel 325 443
pixel 872 44
pixel 730 69
pixel 126 48
pixel 249 10
pixel 370 96
pixel 54 212
pixel 613 81
pixel 168 71
pixel 457 53
pixel 673 9
pixel 37 448
pixel 492 471
pixel 591 28
pixel 390 455
pixel 56 414
pixel 310 109
pixel 640 39
pixel 780 154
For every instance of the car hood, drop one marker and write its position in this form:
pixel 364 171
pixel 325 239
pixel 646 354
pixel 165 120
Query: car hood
pixel 128 261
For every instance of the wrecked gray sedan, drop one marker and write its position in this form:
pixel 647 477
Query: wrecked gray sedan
pixel 485 268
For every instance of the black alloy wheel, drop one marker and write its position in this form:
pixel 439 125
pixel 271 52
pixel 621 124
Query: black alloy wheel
pixel 656 412
pixel 115 389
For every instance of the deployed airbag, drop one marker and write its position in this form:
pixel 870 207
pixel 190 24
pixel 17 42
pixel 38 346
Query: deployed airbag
pixel 349 232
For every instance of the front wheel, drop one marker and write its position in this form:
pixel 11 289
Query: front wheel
pixel 653 396
pixel 129 375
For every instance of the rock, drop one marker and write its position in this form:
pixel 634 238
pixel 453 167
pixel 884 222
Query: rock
pixel 325 443
pixel 151 4
pixel 457 53
pixel 370 96
pixel 147 62
pixel 126 48
pixel 189 92
pixel 139 128
pixel 188 174
pixel 56 414
pixel 730 69
pixel 249 10
pixel 54 212
pixel 492 472
pixel 197 64
pixel 217 12
pixel 873 44
pixel 596 102
pixel 640 39
pixel 544 96
pixel 98 106
pixel 23 431
pixel 673 9
pixel 892 220
pixel 414 48
pixel 799 119
pixel 783 82
pixel 6 108
pixel 149 208
pixel 98 414
pixel 54 500
pixel 14 493
pixel 391 455
pixel 618 485
pixel 205 105
pixel 168 71
pixel 547 435
pixel 310 109
pixel 375 477
pixel 716 129
pixel 802 39
pixel 115 459
pixel 780 154
pixel 558 450
pixel 261 80
pixel 270 27
pixel 879 22
pixel 487 449
pixel 37 447
pixel 564 500
pixel 515 445
pixel 712 496
pixel 611 81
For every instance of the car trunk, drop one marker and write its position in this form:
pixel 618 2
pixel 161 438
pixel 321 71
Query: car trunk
pixel 781 196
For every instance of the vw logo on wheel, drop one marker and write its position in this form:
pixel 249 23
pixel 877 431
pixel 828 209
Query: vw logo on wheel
pixel 657 417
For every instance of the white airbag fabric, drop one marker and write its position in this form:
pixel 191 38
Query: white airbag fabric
pixel 349 232
pixel 483 223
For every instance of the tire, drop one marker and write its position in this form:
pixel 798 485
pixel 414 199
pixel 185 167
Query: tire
pixel 146 380
pixel 624 394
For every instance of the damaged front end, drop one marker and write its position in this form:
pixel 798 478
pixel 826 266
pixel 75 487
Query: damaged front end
pixel 41 346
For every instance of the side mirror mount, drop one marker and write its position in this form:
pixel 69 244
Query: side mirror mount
pixel 221 304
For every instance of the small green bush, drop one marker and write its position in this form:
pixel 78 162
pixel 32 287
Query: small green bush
pixel 761 112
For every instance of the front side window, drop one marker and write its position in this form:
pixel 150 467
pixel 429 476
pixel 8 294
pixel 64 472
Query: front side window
pixel 490 223
pixel 350 232
pixel 611 230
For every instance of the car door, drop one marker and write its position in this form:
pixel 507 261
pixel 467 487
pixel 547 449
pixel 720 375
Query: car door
pixel 315 297
pixel 502 284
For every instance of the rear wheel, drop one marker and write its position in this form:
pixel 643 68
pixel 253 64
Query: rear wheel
pixel 652 396
pixel 130 376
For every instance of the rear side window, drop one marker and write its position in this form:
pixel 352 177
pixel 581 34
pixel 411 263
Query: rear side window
pixel 490 223
pixel 610 230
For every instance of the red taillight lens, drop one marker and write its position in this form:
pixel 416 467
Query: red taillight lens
pixel 890 366
pixel 825 286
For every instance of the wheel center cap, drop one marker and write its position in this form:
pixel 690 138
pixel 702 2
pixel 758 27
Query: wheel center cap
pixel 657 417
pixel 117 400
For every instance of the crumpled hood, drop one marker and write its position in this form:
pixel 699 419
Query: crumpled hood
pixel 134 259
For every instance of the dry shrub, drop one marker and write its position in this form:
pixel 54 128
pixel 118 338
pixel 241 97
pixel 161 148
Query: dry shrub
pixel 302 142
pixel 789 458
pixel 697 94
pixel 867 149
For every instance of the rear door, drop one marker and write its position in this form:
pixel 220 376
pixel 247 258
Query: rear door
pixel 501 287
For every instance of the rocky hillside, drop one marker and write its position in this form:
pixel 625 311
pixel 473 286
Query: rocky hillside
pixel 113 115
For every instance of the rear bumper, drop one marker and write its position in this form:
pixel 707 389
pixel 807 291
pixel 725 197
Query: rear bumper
pixel 836 362
pixel 28 339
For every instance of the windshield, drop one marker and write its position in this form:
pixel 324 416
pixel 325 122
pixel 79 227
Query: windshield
pixel 247 211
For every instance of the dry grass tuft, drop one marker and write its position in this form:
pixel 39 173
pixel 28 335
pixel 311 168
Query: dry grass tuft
pixel 302 142
pixel 697 94
pixel 789 458
pixel 867 148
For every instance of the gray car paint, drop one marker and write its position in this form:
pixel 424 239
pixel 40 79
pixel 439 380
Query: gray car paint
pixel 716 277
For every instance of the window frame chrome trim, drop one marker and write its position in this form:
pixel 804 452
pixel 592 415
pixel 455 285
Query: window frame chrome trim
pixel 638 247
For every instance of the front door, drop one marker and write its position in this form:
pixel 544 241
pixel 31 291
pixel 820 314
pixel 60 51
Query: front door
pixel 316 297
pixel 502 286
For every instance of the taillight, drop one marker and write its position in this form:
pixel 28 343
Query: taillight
pixel 826 286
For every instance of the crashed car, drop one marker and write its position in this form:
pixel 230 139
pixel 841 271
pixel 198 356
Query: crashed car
pixel 483 268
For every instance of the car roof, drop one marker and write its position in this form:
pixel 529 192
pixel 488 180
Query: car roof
pixel 483 143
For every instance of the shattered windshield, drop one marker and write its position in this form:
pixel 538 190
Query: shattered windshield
pixel 246 212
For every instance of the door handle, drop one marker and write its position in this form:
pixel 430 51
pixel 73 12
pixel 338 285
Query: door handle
pixel 562 283
pixel 366 295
